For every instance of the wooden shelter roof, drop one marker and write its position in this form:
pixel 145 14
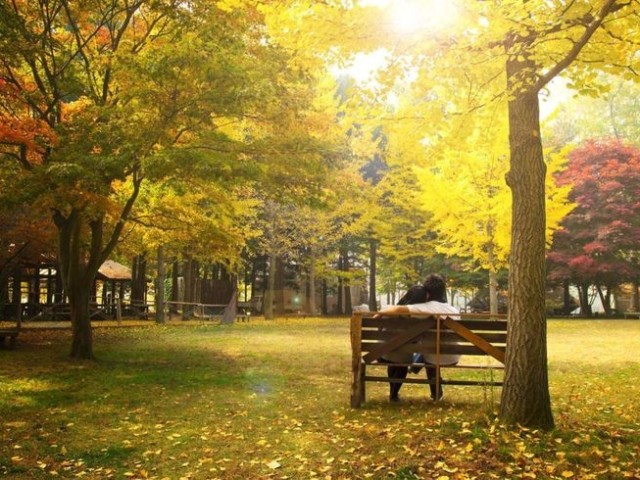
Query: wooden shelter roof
pixel 111 270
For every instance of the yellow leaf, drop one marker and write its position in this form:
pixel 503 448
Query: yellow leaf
pixel 567 474
pixel 273 464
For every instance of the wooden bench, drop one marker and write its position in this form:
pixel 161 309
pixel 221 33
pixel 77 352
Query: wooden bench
pixel 8 337
pixel 631 315
pixel 470 336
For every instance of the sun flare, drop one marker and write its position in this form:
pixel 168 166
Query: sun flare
pixel 411 16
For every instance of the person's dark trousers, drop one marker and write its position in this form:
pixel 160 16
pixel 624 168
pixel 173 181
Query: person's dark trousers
pixel 432 374
pixel 399 373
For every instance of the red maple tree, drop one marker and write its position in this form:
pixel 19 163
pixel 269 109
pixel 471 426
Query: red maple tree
pixel 599 242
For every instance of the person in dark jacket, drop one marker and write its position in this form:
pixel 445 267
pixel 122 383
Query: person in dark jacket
pixel 416 294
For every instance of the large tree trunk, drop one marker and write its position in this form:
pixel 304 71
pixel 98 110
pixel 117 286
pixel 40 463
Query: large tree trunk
pixel 525 395
pixel 81 251
pixel 79 268
pixel 82 342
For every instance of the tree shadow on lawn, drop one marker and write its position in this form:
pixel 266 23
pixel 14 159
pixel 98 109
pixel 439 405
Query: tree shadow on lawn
pixel 40 375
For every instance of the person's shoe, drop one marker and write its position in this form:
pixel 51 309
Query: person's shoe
pixel 439 399
pixel 394 398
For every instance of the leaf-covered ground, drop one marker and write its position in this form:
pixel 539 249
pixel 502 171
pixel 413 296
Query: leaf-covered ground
pixel 271 400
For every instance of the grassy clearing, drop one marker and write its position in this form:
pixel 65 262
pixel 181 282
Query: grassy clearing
pixel 270 400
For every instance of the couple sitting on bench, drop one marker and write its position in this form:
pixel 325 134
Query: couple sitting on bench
pixel 431 298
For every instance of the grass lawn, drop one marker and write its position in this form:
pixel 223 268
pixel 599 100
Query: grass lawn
pixel 271 400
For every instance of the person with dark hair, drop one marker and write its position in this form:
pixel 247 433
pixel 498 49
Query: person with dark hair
pixel 435 303
pixel 416 294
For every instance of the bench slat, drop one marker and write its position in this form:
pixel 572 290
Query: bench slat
pixel 402 323
pixel 445 336
pixel 424 381
pixel 444 350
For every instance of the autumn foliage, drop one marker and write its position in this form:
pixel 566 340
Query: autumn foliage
pixel 600 239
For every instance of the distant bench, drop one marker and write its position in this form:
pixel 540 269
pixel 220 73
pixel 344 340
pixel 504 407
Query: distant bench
pixel 631 314
pixel 472 335
pixel 8 337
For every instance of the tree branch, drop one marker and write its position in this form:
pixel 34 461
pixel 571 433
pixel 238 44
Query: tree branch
pixel 608 7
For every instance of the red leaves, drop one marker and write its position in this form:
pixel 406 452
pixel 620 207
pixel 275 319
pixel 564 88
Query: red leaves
pixel 598 235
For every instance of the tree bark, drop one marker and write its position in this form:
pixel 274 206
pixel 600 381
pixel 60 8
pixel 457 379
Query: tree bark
pixel 311 308
pixel 279 287
pixel 585 304
pixel 325 293
pixel 493 292
pixel 139 279
pixel 493 276
pixel 339 296
pixel 373 304
pixel 525 395
pixel 347 284
pixel 566 299
pixel 268 297
pixel 160 318
pixel 634 304
pixel 78 269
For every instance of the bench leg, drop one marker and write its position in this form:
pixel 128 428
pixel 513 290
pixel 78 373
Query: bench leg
pixel 357 387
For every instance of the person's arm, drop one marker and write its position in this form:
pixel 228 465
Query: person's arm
pixel 396 310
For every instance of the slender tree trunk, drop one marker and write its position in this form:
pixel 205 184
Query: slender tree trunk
pixel 493 276
pixel 566 299
pixel 525 395
pixel 605 299
pixel 17 292
pixel 187 275
pixel 139 279
pixel 312 285
pixel 339 301
pixel 271 278
pixel 373 256
pixel 493 292
pixel 160 318
pixel 585 304
pixel 634 304
pixel 347 285
pixel 325 293
pixel 279 287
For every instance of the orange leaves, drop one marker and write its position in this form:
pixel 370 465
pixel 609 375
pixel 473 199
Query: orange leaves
pixel 32 134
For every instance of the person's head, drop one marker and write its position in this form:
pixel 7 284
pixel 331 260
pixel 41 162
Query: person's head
pixel 435 288
pixel 416 294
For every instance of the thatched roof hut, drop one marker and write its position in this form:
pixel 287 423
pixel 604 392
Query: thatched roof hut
pixel 111 270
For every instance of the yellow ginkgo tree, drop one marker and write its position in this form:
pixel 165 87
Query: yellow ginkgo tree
pixel 462 186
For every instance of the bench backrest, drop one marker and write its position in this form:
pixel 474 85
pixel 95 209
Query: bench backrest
pixel 469 335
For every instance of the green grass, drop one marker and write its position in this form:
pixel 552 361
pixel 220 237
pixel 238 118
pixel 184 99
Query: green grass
pixel 271 400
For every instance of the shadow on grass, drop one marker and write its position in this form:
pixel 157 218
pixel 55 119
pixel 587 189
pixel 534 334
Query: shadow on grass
pixel 41 376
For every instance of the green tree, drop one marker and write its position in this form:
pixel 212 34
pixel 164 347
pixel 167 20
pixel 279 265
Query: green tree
pixel 130 90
